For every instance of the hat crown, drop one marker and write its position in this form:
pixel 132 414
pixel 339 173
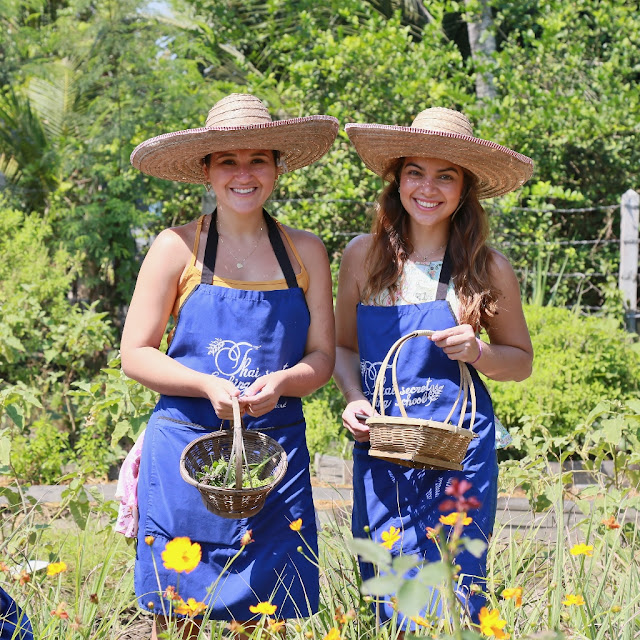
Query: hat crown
pixel 444 121
pixel 237 110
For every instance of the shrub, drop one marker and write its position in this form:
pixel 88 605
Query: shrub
pixel 578 362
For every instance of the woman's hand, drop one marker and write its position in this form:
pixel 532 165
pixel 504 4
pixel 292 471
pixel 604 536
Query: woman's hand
pixel 459 343
pixel 358 407
pixel 220 391
pixel 262 395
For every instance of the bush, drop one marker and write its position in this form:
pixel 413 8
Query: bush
pixel 579 361
pixel 323 411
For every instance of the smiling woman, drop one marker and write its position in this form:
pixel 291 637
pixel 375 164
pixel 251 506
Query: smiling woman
pixel 254 321
pixel 426 265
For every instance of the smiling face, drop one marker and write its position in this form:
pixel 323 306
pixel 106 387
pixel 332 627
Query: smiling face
pixel 241 179
pixel 430 190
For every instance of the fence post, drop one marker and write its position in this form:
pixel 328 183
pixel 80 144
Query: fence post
pixel 628 277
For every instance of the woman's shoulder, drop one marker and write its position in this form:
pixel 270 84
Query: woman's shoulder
pixel 359 246
pixel 498 263
pixel 174 244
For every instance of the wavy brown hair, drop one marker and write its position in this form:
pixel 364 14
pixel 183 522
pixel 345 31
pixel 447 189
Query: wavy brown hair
pixel 470 254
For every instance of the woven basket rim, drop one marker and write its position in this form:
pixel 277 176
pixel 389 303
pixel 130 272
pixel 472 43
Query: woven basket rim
pixel 398 421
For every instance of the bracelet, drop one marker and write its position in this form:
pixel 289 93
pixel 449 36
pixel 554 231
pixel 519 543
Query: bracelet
pixel 349 390
pixel 480 343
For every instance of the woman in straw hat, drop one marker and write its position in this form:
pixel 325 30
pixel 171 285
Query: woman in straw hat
pixel 253 322
pixel 426 265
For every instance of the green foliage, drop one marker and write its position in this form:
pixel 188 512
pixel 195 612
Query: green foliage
pixel 323 414
pixel 579 361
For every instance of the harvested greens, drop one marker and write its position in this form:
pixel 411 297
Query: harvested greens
pixel 222 474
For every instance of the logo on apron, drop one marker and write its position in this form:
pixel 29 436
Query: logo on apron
pixel 421 394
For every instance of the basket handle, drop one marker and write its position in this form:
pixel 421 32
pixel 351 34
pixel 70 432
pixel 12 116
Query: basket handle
pixel 237 448
pixel 465 390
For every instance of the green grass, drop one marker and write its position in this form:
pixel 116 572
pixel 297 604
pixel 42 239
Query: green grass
pixel 97 586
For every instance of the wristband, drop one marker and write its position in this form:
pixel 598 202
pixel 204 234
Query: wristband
pixel 479 351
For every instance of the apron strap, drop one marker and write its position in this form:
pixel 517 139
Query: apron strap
pixel 445 276
pixel 211 250
pixel 280 251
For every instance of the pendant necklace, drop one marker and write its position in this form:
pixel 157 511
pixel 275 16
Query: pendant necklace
pixel 241 262
pixel 425 258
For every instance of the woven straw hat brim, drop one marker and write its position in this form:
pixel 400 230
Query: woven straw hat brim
pixel 178 155
pixel 497 168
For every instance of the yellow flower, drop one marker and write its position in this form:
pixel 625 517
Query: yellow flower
pixel 247 538
pixel 452 518
pixel 389 538
pixel 582 550
pixel 491 624
pixel 265 608
pixel 513 593
pixel 55 568
pixel 296 525
pixel 334 634
pixel 421 622
pixel 275 626
pixel 571 599
pixel 181 555
pixel 190 608
pixel 149 540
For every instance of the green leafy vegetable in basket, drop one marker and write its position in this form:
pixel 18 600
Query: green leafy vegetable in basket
pixel 221 473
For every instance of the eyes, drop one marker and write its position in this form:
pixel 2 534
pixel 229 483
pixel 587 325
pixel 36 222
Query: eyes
pixel 231 162
pixel 442 177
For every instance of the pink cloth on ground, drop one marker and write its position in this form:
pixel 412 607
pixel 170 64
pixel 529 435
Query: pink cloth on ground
pixel 127 492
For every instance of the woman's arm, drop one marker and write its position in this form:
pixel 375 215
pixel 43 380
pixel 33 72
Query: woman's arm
pixel 509 354
pixel 149 311
pixel 315 368
pixel 347 370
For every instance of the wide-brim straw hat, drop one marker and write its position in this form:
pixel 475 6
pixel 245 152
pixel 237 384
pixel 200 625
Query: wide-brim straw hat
pixel 447 135
pixel 238 121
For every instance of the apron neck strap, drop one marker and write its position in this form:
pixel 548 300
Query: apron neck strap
pixel 445 276
pixel 211 251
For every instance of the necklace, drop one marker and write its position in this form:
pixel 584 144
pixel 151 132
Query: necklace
pixel 241 261
pixel 425 258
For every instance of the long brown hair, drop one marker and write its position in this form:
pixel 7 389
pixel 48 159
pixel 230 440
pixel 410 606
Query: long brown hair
pixel 468 249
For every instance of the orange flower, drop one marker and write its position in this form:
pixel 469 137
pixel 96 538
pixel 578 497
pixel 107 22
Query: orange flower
pixel 265 608
pixel 389 538
pixel 171 593
pixel 334 634
pixel 432 533
pixel 247 538
pixel 23 577
pixel 571 599
pixel 61 611
pixel 491 624
pixel 149 540
pixel 581 550
pixel 4 567
pixel 610 523
pixel 181 555
pixel 190 608
pixel 296 525
pixel 513 593
pixel 452 518
pixel 55 568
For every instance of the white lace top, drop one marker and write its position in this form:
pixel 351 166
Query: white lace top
pixel 419 284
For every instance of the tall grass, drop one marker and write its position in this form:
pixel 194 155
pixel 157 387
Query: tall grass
pixel 93 598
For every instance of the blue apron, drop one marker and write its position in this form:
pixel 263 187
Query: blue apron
pixel 14 623
pixel 238 335
pixel 387 494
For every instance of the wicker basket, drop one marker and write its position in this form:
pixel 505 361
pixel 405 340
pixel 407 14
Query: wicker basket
pixel 245 447
pixel 415 442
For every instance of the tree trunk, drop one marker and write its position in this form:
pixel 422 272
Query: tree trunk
pixel 483 46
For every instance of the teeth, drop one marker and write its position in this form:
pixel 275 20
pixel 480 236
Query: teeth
pixel 428 205
pixel 244 190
